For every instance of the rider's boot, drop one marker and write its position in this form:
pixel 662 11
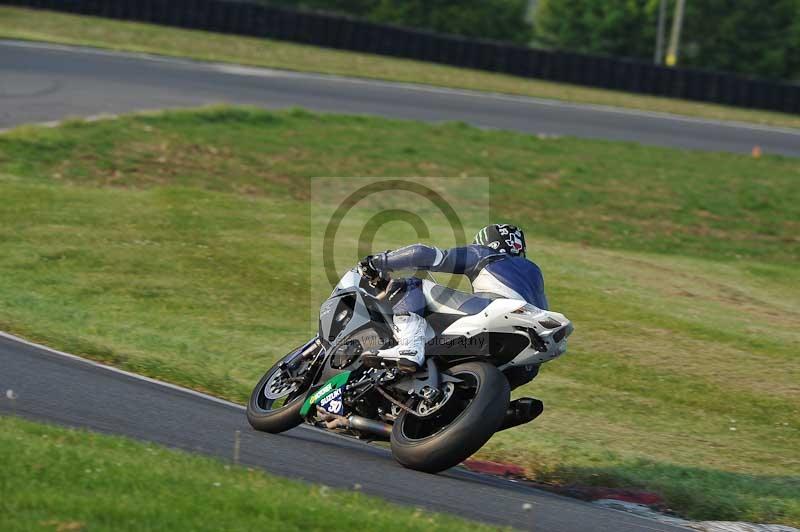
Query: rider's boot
pixel 409 353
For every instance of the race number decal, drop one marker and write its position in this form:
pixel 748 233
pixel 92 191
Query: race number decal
pixel 332 402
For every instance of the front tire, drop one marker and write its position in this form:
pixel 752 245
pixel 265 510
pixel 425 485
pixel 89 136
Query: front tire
pixel 279 409
pixel 467 420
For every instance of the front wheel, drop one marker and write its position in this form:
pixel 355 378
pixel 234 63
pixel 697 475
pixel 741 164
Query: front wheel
pixel 471 415
pixel 275 402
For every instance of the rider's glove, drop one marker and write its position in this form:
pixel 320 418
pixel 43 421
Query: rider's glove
pixel 367 269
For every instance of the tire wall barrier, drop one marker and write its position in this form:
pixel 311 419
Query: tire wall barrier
pixel 348 33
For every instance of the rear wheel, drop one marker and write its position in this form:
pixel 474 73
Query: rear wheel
pixel 470 415
pixel 275 402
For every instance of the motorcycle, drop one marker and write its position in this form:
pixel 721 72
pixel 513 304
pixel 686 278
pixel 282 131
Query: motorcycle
pixel 477 346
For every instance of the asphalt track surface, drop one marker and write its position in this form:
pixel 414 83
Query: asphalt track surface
pixel 70 391
pixel 40 82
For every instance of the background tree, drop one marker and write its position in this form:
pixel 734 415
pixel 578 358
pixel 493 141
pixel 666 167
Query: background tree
pixel 757 37
pixel 502 20
pixel 609 27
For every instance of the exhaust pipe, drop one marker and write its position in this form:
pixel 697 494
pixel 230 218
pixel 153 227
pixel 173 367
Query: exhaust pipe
pixel 368 425
pixel 362 424
pixel 521 411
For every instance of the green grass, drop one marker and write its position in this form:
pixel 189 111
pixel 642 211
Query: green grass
pixel 68 480
pixel 178 245
pixel 16 23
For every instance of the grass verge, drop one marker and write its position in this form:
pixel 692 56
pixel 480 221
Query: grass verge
pixel 178 245
pixel 17 23
pixel 69 480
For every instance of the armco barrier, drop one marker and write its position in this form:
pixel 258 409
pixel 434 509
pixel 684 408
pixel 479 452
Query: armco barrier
pixel 347 33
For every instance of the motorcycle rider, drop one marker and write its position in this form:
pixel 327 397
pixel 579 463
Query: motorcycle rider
pixel 495 264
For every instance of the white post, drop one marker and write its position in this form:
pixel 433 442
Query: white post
pixel 658 56
pixel 675 37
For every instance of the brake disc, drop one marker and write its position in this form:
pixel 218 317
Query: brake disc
pixel 425 408
pixel 279 385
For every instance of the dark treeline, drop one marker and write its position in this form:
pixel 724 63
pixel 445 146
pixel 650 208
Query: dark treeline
pixel 502 20
pixel 755 37
pixel 752 37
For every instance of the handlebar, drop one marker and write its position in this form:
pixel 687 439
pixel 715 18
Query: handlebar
pixel 373 281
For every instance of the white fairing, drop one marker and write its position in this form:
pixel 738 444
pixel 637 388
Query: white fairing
pixel 505 315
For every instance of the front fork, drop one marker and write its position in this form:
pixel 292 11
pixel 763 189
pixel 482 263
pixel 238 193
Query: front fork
pixel 290 364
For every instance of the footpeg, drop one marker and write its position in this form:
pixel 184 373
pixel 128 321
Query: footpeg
pixel 372 360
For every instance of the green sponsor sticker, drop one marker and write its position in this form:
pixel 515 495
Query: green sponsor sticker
pixel 334 383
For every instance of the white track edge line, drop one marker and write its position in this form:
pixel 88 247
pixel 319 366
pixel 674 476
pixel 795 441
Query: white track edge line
pixel 112 369
pixel 151 380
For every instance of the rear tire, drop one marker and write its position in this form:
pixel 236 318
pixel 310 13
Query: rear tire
pixel 463 436
pixel 260 412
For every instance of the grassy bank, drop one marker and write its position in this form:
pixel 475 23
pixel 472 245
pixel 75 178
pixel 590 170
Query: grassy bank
pixel 47 26
pixel 68 480
pixel 178 245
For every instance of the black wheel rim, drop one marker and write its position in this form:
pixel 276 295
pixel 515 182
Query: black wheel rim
pixel 419 428
pixel 279 388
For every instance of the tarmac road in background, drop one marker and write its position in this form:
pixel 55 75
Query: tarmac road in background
pixel 42 82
